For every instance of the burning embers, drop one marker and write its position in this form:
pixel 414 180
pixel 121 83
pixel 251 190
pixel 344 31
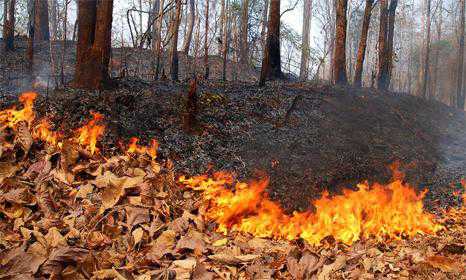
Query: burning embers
pixel 86 136
pixel 391 211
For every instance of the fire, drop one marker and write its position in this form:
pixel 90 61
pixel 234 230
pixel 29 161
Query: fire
pixel 43 132
pixel 89 134
pixel 377 211
pixel 11 117
pixel 134 148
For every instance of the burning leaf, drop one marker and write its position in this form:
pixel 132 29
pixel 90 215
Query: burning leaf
pixel 91 132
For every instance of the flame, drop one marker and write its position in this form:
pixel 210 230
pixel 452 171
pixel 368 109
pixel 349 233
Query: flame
pixel 43 132
pixel 11 117
pixel 134 148
pixel 377 211
pixel 91 132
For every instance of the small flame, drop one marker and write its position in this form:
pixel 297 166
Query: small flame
pixel 379 211
pixel 134 148
pixel 11 117
pixel 91 132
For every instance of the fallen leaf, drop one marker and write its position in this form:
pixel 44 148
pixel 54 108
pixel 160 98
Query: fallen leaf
pixel 62 256
pixel 192 241
pixel 220 242
pixel 23 137
pixel 136 216
pixel 328 270
pixel 7 170
pixel 107 274
pixel 84 191
pixel 137 235
pixel 183 268
pixel 445 264
pixel 162 245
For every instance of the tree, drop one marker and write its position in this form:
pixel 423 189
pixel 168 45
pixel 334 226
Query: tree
pixel 363 43
pixel 189 29
pixel 305 49
pixel 383 79
pixel 271 61
pixel 206 41
pixel 425 76
pixel 174 48
pixel 41 21
pixel 158 40
pixel 390 35
pixel 225 20
pixel 94 44
pixel 339 57
pixel 9 7
pixel 243 56
pixel 459 82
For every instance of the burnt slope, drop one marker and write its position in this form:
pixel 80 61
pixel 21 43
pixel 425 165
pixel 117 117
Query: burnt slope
pixel 307 137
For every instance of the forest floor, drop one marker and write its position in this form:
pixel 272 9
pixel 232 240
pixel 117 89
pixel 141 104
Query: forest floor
pixel 116 216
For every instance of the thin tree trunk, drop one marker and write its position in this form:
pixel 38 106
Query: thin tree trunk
pixel 264 24
pixel 425 76
pixel 158 40
pixel 434 89
pixel 54 18
pixel 305 48
pixel 244 35
pixel 9 19
pixel 390 35
pixel 271 62
pixel 363 43
pixel 383 76
pixel 189 29
pixel 225 38
pixel 65 25
pixel 206 42
pixel 174 47
pixel 30 49
pixel 339 58
pixel 459 83
pixel 41 21
pixel 94 44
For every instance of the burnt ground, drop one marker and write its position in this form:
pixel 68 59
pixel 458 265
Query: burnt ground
pixel 307 137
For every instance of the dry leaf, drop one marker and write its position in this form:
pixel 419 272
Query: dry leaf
pixel 84 191
pixel 192 241
pixel 328 270
pixel 183 268
pixel 162 245
pixel 445 264
pixel 7 170
pixel 23 137
pixel 137 235
pixel 136 216
pixel 107 274
pixel 201 273
pixel 54 238
pixel 220 242
pixel 62 256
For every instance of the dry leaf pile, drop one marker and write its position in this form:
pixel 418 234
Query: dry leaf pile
pixel 67 215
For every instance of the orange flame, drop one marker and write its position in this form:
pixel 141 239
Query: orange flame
pixel 392 211
pixel 91 132
pixel 134 148
pixel 11 117
pixel 43 132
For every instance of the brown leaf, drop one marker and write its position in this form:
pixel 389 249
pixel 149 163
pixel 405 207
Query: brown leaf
pixel 306 266
pixel 259 272
pixel 62 256
pixel 329 269
pixel 201 273
pixel 54 238
pixel 183 268
pixel 7 170
pixel 19 263
pixel 229 259
pixel 136 216
pixel 23 137
pixel 192 241
pixel 111 273
pixel 445 264
pixel 162 245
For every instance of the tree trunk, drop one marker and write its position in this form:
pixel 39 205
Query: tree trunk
pixel 244 35
pixel 425 76
pixel 390 35
pixel 459 83
pixel 225 38
pixel 158 40
pixel 206 42
pixel 94 44
pixel 363 43
pixel 41 21
pixel 339 58
pixel 54 18
pixel 30 48
pixel 264 24
pixel 189 30
pixel 9 7
pixel 174 47
pixel 305 48
pixel 271 62
pixel 434 89
pixel 383 76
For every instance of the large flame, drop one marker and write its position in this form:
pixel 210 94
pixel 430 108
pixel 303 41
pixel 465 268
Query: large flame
pixel 377 211
pixel 90 133
pixel 11 117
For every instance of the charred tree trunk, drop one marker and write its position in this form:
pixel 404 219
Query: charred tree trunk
pixel 41 21
pixel 174 47
pixel 459 83
pixel 305 51
pixel 383 76
pixel 339 58
pixel 425 76
pixel 271 62
pixel 244 35
pixel 9 19
pixel 390 35
pixel 206 42
pixel 363 43
pixel 158 40
pixel 94 44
